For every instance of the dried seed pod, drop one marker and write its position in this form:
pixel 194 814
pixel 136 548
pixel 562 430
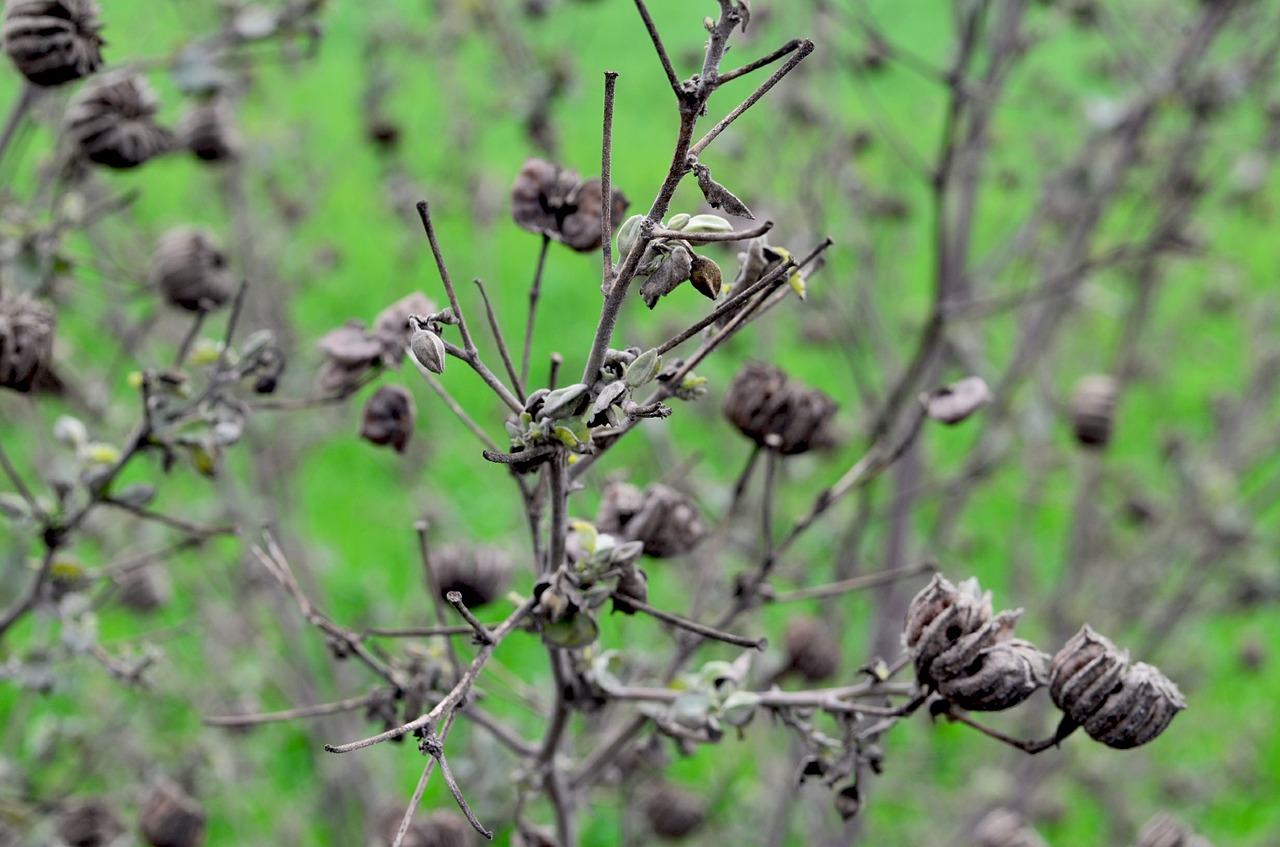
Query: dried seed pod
pixel 350 353
pixel 479 574
pixel 190 269
pixel 388 417
pixel 555 202
pixel 940 615
pixel 207 130
pixel 145 589
pixel 1084 673
pixel 88 823
pixel 953 403
pixel 170 817
pixel 1001 677
pixel 633 583
pixel 664 520
pixel 706 277
pixel 777 413
pixel 52 42
pixel 391 326
pixel 672 812
pixel 1005 828
pixel 1164 830
pixel 26 340
pixel 1117 705
pixel 112 121
pixel 813 651
pixel 1093 407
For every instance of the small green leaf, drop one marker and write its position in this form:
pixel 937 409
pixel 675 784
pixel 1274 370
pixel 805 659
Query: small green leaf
pixel 691 709
pixel 588 536
pixel 678 222
pixel 564 402
pixel 739 708
pixel 643 369
pixel 573 632
pixel 708 223
pixel 628 234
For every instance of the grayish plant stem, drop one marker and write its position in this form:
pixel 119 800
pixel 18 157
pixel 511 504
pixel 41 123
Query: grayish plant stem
pixel 606 180
pixel 535 290
pixel 516 382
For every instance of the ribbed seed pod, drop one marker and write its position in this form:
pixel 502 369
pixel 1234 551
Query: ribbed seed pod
pixel 777 413
pixel 1164 830
pixel 88 823
pixel 1001 677
pixel 52 42
pixel 112 121
pixel 671 812
pixel 388 417
pixel 664 520
pixel 479 574
pixel 939 615
pixel 350 352
pixel 26 340
pixel 1093 408
pixel 1005 828
pixel 170 817
pixel 1118 705
pixel 145 589
pixel 190 269
pixel 954 403
pixel 208 132
pixel 813 651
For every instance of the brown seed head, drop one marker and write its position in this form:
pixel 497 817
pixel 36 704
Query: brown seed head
pixel 1093 407
pixel 664 520
pixel 112 121
pixel 26 340
pixel 52 42
pixel 555 202
pixel 813 651
pixel 169 817
pixel 671 812
pixel 388 417
pixel 778 413
pixel 208 132
pixel 88 823
pixel 190 269
pixel 479 574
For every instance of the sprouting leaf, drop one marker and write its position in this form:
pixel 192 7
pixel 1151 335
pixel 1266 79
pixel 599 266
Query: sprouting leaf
pixel 100 453
pixel 204 458
pixel 70 432
pixel 588 536
pixel 573 632
pixel 739 708
pixel 678 222
pixel 719 197
pixel 664 279
pixel 691 709
pixel 643 369
pixel 628 233
pixel 610 394
pixel 708 223
pixel 564 402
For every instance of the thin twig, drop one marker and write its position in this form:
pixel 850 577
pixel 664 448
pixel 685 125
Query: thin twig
pixel 189 340
pixel 713 237
pixel 433 588
pixel 790 47
pixel 805 48
pixel 433 746
pixel 289 714
pixel 856 583
pixel 189 527
pixel 461 414
pixel 482 632
pixel 516 383
pixel 421 788
pixel 606 185
pixel 692 626
pixel 534 290
pixel 661 48
pixel 19 111
pixel 16 479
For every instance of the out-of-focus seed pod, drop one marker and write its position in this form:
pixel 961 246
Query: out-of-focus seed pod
pixel 145 589
pixel 664 520
pixel 52 42
pixel 26 340
pixel 208 132
pixel 954 403
pixel 428 349
pixel 391 326
pixel 170 817
pixel 777 413
pixel 112 122
pixel 88 823
pixel 1005 828
pixel 479 574
pixel 1093 408
pixel 1001 677
pixel 350 352
pixel 549 200
pixel 1118 705
pixel 672 812
pixel 633 583
pixel 813 651
pixel 388 417
pixel 190 269
pixel 1164 830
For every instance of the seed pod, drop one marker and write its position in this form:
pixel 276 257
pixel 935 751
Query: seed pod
pixel 1005 828
pixel 706 277
pixel 664 520
pixel 190 269
pixel 779 414
pixel 479 574
pixel 813 651
pixel 1001 677
pixel 350 352
pixel 391 326
pixel 145 589
pixel 26 340
pixel 388 417
pixel 634 583
pixel 428 349
pixel 1084 672
pixel 953 403
pixel 88 823
pixel 52 42
pixel 112 121
pixel 1119 706
pixel 1164 830
pixel 169 817
pixel 671 812
pixel 1093 407
pixel 207 131
pixel 939 615
pixel 555 202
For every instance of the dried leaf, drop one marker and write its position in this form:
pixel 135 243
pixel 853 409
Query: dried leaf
pixel 719 197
